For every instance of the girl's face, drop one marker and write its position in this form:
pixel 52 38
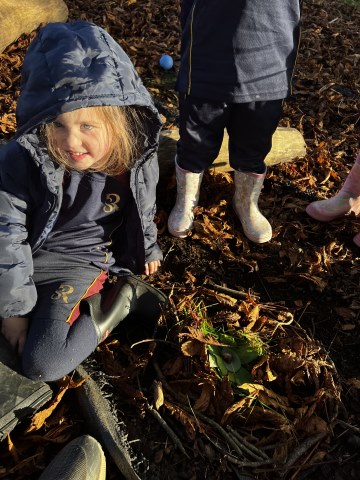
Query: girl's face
pixel 81 137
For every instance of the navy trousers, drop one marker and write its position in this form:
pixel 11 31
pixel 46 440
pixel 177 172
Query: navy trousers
pixel 59 339
pixel 250 127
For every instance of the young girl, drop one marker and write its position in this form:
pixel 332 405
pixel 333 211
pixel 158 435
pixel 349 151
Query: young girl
pixel 77 194
pixel 237 60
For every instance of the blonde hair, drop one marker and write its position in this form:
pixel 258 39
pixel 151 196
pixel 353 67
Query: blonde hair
pixel 125 127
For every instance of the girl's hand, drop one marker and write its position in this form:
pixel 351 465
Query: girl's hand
pixel 15 330
pixel 152 267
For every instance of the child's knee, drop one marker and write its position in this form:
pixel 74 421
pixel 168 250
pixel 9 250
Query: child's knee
pixel 44 369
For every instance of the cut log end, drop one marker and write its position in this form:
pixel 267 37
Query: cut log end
pixel 288 144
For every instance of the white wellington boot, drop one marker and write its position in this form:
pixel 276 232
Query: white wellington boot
pixel 181 217
pixel 245 203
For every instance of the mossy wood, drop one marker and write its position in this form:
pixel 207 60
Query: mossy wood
pixel 288 144
pixel 24 16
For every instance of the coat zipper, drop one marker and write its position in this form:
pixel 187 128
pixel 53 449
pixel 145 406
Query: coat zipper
pixel 191 47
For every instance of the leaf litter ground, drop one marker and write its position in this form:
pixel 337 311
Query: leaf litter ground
pixel 294 302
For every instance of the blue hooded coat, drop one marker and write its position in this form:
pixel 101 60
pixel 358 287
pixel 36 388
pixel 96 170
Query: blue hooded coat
pixel 238 51
pixel 68 66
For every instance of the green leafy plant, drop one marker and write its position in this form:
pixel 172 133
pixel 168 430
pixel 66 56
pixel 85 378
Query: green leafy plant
pixel 232 358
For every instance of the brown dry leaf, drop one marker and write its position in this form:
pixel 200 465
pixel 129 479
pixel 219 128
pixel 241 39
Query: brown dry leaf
pixel 348 327
pixel 275 280
pixel 173 366
pixel 191 348
pixel 258 418
pixel 353 382
pixel 314 425
pixel 237 408
pixel 196 334
pixel 12 450
pixel 190 278
pixel 253 317
pixel 270 375
pixel 158 395
pixel 185 301
pixel 317 281
pixel 40 417
pixel 7 123
pixel 59 434
pixel 189 422
pixel 207 396
pixel 272 400
pixel 346 313
pixel 222 298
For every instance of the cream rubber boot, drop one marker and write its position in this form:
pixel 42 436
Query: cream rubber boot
pixel 245 202
pixel 181 217
pixel 345 201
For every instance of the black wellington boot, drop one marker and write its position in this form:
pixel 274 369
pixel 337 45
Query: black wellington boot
pixel 20 397
pixel 128 297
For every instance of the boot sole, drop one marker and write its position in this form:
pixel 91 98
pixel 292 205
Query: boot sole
pixel 178 234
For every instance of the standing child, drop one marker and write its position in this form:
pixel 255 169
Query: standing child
pixel 347 200
pixel 237 59
pixel 77 195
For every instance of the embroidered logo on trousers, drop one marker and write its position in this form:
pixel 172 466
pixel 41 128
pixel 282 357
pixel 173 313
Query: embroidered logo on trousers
pixel 62 293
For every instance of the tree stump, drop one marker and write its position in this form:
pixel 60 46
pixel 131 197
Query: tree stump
pixel 288 144
pixel 24 16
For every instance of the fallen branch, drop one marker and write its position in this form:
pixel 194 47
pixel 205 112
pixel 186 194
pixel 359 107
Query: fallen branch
pixel 229 291
pixel 248 464
pixel 167 429
pixel 303 448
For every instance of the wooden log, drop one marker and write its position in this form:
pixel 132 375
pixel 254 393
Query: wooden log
pixel 24 16
pixel 288 144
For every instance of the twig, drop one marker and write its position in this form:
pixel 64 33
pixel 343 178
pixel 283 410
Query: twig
pixel 240 476
pixel 250 449
pixel 303 447
pixel 228 291
pixel 228 438
pixel 300 467
pixel 167 429
pixel 156 340
pixel 164 425
pixel 166 386
pixel 304 467
pixel 348 426
pixel 248 464
pixel 217 427
pixel 231 441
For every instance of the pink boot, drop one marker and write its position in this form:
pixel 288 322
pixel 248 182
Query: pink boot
pixel 356 239
pixel 345 201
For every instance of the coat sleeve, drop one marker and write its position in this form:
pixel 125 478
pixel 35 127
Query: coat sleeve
pixel 18 292
pixel 147 203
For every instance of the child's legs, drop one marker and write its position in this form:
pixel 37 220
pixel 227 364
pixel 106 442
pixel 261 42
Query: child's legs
pixel 201 128
pixel 54 346
pixel 250 128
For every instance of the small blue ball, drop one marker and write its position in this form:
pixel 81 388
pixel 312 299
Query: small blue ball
pixel 166 62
